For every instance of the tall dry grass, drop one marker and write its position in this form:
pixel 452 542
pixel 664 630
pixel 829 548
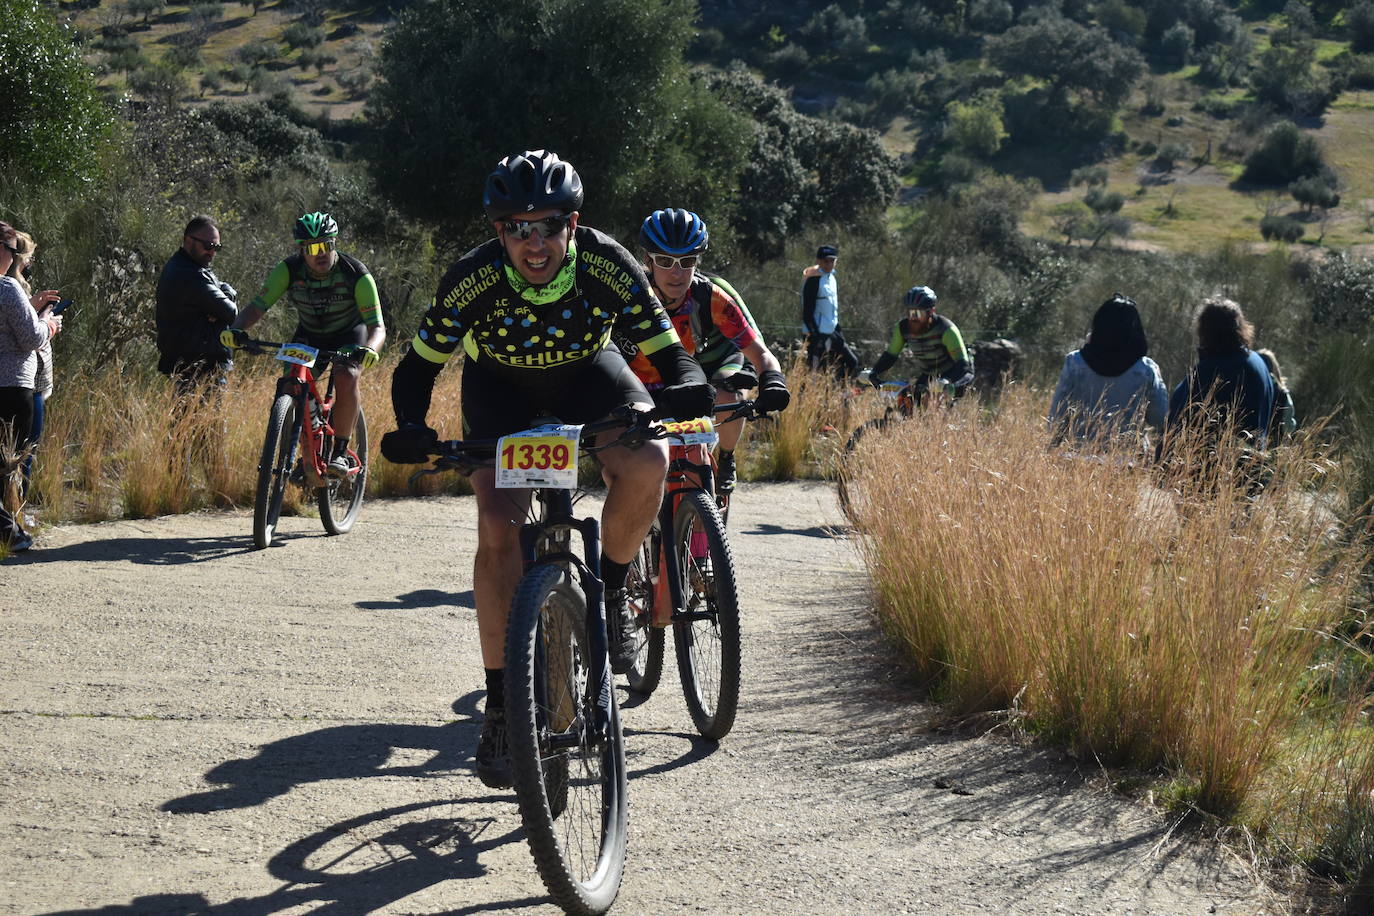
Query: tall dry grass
pixel 120 443
pixel 1156 617
pixel 805 439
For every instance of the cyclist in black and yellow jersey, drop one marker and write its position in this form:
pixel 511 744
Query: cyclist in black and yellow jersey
pixel 533 311
pixel 338 309
pixel 935 343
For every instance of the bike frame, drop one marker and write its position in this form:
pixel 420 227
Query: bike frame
pixel 690 467
pixel 300 383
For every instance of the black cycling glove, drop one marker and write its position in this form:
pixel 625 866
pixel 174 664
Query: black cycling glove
pixel 688 401
pixel 773 394
pixel 413 443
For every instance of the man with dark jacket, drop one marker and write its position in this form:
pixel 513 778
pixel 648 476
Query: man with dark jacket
pixel 193 306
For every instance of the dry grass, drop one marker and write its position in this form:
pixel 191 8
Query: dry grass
pixel 1159 618
pixel 120 444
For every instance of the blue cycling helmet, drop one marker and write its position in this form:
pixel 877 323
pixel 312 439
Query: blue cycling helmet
pixel 674 231
pixel 920 297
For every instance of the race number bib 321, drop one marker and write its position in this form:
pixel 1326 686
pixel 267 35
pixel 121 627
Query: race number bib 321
pixel 542 457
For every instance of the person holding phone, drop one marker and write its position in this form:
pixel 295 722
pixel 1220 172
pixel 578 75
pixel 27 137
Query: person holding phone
pixel 22 269
pixel 26 324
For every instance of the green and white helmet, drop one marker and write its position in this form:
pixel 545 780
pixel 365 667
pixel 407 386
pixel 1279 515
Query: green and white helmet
pixel 315 225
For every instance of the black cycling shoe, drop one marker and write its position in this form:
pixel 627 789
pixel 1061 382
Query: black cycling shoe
pixel 493 752
pixel 725 473
pixel 620 622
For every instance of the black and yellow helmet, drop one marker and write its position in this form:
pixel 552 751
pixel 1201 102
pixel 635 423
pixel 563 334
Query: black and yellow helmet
pixel 315 225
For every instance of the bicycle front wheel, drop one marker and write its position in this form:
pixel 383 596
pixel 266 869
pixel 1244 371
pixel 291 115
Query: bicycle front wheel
pixel 274 467
pixel 570 783
pixel 647 669
pixel 706 627
pixel 342 497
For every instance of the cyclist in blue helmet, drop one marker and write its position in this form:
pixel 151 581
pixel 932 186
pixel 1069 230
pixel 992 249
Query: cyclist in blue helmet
pixel 712 321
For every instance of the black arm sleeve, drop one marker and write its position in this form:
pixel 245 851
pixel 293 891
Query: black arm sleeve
pixel 884 363
pixel 676 366
pixel 411 388
pixel 959 375
pixel 810 287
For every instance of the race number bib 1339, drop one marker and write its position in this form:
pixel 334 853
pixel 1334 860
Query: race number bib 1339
pixel 542 457
pixel 701 431
pixel 298 353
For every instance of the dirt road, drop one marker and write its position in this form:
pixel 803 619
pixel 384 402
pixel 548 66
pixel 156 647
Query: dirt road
pixel 194 727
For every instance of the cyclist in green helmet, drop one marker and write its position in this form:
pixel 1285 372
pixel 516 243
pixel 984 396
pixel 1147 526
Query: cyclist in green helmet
pixel 338 309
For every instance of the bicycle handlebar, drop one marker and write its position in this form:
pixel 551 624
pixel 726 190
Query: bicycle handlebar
pixel 262 347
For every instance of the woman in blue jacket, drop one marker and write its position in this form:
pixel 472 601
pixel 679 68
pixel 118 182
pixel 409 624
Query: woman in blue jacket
pixel 1229 386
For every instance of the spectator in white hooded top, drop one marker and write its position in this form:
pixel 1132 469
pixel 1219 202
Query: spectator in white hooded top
pixel 1109 386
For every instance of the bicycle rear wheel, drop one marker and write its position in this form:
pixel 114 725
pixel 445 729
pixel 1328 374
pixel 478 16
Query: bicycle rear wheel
pixel 647 670
pixel 278 456
pixel 342 497
pixel 706 628
pixel 571 786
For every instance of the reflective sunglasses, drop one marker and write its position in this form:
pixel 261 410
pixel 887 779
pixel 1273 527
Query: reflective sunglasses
pixel 208 246
pixel 547 227
pixel 317 246
pixel 668 262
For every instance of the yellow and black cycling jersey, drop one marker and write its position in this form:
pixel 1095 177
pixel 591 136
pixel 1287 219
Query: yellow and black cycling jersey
pixel 513 329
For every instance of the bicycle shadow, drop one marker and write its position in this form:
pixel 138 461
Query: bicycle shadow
pixel 338 752
pixel 146 551
pixel 421 599
pixel 359 865
pixel 815 531
pixel 699 749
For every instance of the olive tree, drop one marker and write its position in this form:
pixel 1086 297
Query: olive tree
pixel 53 119
pixel 462 83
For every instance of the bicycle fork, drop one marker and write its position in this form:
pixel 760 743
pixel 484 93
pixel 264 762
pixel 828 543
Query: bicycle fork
pixel 588 573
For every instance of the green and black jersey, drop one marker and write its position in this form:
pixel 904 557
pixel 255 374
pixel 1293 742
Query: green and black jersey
pixel 327 305
pixel 486 307
pixel 938 350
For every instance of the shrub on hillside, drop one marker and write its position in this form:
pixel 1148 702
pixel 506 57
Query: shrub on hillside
pixel 1342 292
pixel 1278 228
pixel 56 125
pixel 1285 155
pixel 1359 21
pixel 1315 192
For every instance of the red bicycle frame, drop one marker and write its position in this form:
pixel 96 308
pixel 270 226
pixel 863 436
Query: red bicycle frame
pixel 299 382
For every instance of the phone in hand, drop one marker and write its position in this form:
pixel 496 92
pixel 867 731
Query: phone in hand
pixel 60 307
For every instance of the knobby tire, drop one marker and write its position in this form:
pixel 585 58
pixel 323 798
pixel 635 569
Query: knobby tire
pixel 341 498
pixel 274 467
pixel 708 649
pixel 647 670
pixel 573 800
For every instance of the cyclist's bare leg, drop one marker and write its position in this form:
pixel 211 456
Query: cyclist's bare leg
pixel 497 565
pixel 634 489
pixel 346 399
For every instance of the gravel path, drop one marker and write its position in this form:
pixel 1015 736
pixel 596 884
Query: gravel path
pixel 192 728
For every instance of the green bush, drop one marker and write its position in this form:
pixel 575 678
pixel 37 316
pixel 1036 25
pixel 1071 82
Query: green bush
pixel 1285 155
pixel 51 97
pixel 1275 227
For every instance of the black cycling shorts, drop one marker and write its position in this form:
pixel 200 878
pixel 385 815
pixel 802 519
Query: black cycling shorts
pixel 337 341
pixel 494 406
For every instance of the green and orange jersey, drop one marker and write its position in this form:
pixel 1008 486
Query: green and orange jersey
pixel 709 320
